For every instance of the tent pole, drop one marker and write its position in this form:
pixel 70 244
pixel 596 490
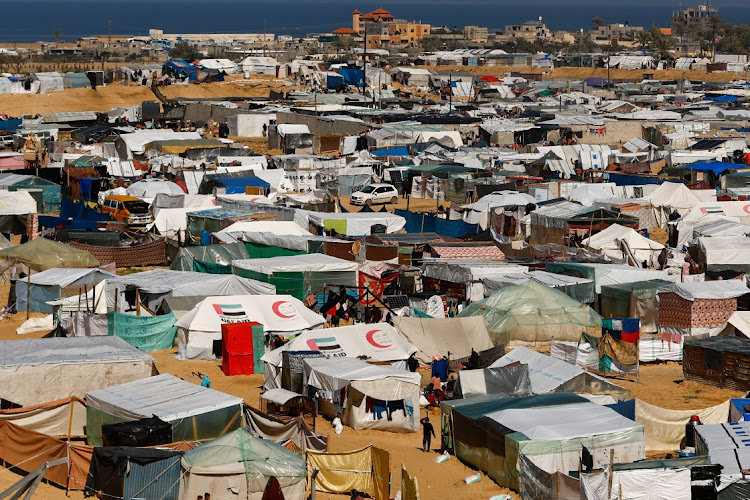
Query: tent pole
pixel 70 421
pixel 611 472
pixel 137 302
pixel 28 292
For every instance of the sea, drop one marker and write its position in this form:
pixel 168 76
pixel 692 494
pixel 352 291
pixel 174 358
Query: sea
pixel 25 21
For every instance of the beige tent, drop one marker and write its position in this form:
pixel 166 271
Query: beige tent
pixel 62 418
pixel 434 336
pixel 367 470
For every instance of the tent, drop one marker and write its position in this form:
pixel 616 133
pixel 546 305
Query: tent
pixel 621 242
pixel 279 314
pixel 724 253
pixel 605 274
pixel 367 470
pixel 214 259
pixel 134 473
pixel 239 465
pixel 40 254
pixel 195 412
pixel 698 309
pixel 433 336
pixel 726 445
pixel 674 196
pixel 637 299
pixel 512 380
pixel 299 275
pixel 738 324
pixel 36 371
pixel 375 342
pixel 548 430
pixel 532 313
pixel 61 418
pixel 548 374
pixel 580 289
pixel 479 211
pixel 148 189
pixel 377 397
pixel 156 285
pixel 718 361
pixel 49 285
pixel 14 183
pixel 356 224
pixel 280 429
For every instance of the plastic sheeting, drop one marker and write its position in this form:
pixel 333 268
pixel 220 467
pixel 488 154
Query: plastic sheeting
pixel 610 242
pixel 36 371
pixel 195 412
pixel 512 380
pixel 40 254
pixel 147 333
pixel 239 464
pixel 221 254
pixel 57 418
pixel 279 429
pixel 638 484
pixel 435 336
pixel 366 470
pixel 532 313
pixel 664 429
pixel 721 289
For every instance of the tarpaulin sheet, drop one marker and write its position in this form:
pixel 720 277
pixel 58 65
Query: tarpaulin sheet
pixel 69 209
pixel 424 223
pixel 409 485
pixel 638 484
pixel 343 472
pixel 624 408
pixel 279 429
pixel 147 333
pixel 52 419
pixel 434 336
pixel 50 221
pixel 664 429
pixel 200 266
pixel 536 484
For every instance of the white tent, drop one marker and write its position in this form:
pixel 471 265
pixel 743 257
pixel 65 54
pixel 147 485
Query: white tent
pixel 16 203
pixel 224 65
pixel 288 228
pixel 36 371
pixel 198 329
pixel 149 188
pixel 374 342
pixel 433 336
pixel 740 324
pixel 726 253
pixel 478 212
pixel 135 142
pixel 673 195
pixel 393 393
pixel 614 240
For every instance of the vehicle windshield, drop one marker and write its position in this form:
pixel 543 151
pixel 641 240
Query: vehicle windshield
pixel 136 207
pixel 367 189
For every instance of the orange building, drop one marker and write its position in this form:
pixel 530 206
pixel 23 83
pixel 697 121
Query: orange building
pixel 383 28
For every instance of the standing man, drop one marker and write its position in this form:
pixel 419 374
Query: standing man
pixel 428 432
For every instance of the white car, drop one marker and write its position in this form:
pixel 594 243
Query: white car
pixel 375 193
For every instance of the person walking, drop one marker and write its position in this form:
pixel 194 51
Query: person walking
pixel 428 432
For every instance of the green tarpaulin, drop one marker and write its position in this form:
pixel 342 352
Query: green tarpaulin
pixel 200 266
pixel 147 333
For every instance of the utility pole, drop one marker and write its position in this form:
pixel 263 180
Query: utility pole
pixel 450 92
pixel 264 37
pixel 364 63
pixel 110 30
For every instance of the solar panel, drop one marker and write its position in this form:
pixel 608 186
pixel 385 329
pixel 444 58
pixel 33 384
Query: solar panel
pixel 396 301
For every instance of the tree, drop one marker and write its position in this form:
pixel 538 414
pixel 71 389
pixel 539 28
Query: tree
pixel 598 22
pixel 57 34
pixel 643 39
pixel 185 51
pixel 663 45
pixel 715 28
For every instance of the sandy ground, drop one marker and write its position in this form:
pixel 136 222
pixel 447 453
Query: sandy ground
pixel 117 95
pixel 659 384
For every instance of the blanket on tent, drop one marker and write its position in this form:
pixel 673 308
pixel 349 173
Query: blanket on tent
pixel 148 254
pixel 366 470
pixel 147 333
pixel 618 350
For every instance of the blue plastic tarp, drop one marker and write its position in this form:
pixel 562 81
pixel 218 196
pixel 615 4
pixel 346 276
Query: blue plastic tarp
pixel 717 167
pixel 725 98
pixel 352 76
pixel 87 185
pixel 49 221
pixel 737 412
pixel 391 152
pixel 334 81
pixel 11 124
pixel 69 209
pixel 624 408
pixel 425 223
pixel 236 185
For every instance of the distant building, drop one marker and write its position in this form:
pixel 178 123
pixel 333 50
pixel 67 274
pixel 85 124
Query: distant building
pixel 382 28
pixel 530 30
pixel 476 34
pixel 687 23
pixel 615 34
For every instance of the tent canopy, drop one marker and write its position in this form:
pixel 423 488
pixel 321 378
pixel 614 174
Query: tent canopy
pixel 720 289
pixel 377 342
pixel 40 254
pixel 532 312
pixel 335 374
pixel 673 195
pixel 609 242
pixel 433 336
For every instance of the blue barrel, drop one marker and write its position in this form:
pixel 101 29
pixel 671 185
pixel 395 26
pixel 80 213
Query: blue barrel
pixel 205 238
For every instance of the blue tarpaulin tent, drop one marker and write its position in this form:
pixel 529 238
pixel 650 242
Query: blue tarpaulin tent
pixel 391 152
pixel 424 223
pixel 716 167
pixel 11 124
pixel 352 76
pixel 79 211
pixel 724 98
pixel 236 185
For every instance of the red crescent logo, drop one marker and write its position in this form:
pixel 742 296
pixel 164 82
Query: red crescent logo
pixel 276 308
pixel 746 208
pixel 371 339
